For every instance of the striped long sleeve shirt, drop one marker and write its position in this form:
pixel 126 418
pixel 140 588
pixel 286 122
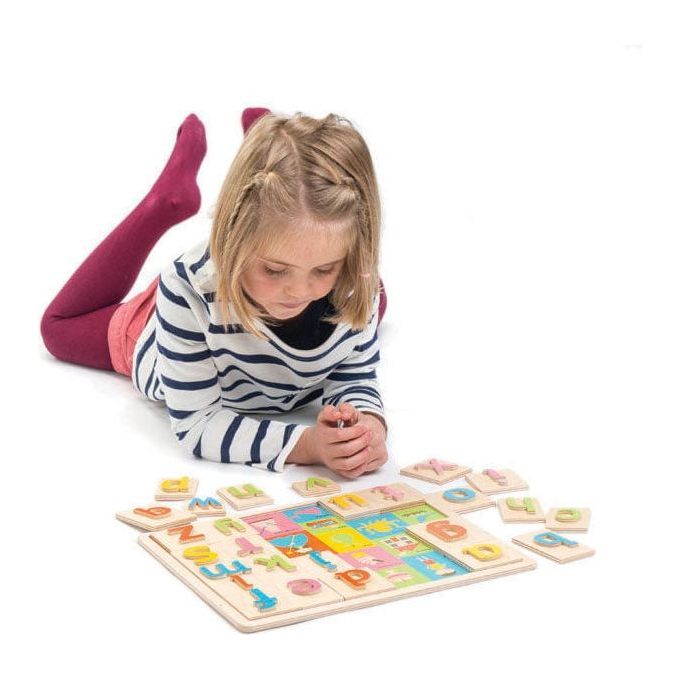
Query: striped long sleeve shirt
pixel 214 376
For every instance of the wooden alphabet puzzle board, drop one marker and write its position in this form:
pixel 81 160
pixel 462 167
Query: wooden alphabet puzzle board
pixel 283 565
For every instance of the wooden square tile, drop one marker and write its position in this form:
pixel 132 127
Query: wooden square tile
pixel 568 519
pixel 152 518
pixel 244 497
pixel 459 499
pixel 316 486
pixel 553 546
pixel 520 509
pixel 176 489
pixel 496 481
pixel 435 471
pixel 206 507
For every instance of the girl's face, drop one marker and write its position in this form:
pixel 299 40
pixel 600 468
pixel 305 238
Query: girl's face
pixel 304 269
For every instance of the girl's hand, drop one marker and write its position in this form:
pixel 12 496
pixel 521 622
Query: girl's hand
pixel 366 460
pixel 344 450
pixel 377 444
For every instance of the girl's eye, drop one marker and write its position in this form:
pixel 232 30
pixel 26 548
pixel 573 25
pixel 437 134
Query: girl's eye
pixel 280 272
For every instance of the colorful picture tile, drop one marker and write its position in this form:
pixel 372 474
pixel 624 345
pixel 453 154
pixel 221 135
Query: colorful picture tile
pixel 419 514
pixel 378 526
pixel 402 544
pixel 435 565
pixel 403 575
pixel 374 558
pixel 324 524
pixel 271 524
pixel 307 513
pixel 343 540
pixel 295 545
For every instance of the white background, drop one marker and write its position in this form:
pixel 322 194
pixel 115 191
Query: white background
pixel 528 158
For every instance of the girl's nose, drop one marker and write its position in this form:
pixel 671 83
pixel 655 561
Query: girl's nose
pixel 298 291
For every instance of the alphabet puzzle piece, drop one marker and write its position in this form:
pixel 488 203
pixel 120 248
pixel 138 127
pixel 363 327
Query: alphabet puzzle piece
pixel 520 509
pixel 371 500
pixel 176 489
pixel 316 486
pixel 435 470
pixel 567 518
pixel 466 543
pixel 271 524
pixel 496 481
pixel 203 531
pixel 459 499
pixel 152 518
pixel 344 577
pixel 553 546
pixel 244 497
pixel 206 507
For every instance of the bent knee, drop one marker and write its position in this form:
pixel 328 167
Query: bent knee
pixel 49 330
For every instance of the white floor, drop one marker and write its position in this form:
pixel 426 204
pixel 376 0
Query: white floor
pixel 528 165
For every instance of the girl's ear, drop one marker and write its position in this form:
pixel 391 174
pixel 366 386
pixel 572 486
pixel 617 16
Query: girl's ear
pixel 249 116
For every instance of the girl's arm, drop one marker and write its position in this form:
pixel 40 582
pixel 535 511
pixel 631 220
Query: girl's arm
pixel 193 394
pixel 355 380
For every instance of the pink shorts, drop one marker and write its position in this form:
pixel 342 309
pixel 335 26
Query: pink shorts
pixel 127 324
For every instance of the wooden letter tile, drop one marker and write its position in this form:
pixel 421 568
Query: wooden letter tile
pixel 459 499
pixel 316 486
pixel 244 497
pixel 435 471
pixel 554 546
pixel 176 489
pixel 496 481
pixel 156 517
pixel 205 507
pixel 567 518
pixel 520 509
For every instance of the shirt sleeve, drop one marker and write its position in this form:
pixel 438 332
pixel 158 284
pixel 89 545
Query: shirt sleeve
pixel 355 379
pixel 193 393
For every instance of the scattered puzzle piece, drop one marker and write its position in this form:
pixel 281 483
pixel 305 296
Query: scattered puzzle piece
pixel 568 519
pixel 554 546
pixel 205 507
pixel 316 486
pixel 153 518
pixel 496 481
pixel 435 471
pixel 459 499
pixel 525 509
pixel 244 497
pixel 176 489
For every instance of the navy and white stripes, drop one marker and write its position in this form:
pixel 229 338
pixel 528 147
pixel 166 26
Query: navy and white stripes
pixel 214 376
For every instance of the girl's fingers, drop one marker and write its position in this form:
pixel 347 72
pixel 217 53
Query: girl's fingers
pixel 349 413
pixel 351 462
pixel 346 434
pixel 350 448
pixel 374 464
pixel 356 472
pixel 329 415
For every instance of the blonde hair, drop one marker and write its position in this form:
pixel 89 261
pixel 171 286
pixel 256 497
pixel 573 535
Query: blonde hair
pixel 306 171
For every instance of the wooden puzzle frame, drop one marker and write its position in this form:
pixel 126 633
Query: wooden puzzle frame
pixel 246 625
